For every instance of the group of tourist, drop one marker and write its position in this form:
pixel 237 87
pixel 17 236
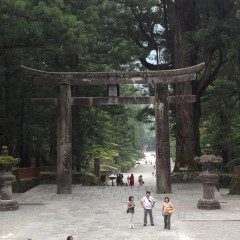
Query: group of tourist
pixel 148 204
pixel 131 182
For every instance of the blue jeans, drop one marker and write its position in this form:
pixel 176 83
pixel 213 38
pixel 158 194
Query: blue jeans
pixel 167 221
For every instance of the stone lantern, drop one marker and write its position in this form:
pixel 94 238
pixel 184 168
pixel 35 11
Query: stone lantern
pixel 6 180
pixel 209 179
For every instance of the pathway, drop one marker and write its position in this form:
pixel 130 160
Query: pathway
pixel 99 213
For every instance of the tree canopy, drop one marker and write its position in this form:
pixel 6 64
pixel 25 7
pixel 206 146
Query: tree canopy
pixel 102 35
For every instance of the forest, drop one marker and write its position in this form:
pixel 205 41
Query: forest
pixel 119 35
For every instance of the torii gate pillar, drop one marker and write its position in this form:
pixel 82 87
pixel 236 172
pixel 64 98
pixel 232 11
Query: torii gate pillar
pixel 163 168
pixel 64 140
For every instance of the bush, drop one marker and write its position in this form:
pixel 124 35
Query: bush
pixel 235 185
pixel 125 166
pixel 84 178
pixel 225 180
pixel 231 164
pixel 107 168
pixel 21 186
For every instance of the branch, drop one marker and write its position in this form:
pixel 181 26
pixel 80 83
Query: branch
pixel 149 37
pixel 150 66
pixel 209 75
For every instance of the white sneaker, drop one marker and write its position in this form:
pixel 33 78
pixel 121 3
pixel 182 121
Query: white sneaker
pixel 133 226
pixel 130 226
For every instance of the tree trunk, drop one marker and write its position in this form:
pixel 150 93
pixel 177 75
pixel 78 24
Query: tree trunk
pixel 225 145
pixel 185 55
pixel 196 124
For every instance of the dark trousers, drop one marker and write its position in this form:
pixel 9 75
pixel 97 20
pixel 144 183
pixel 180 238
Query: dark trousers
pixel 146 212
pixel 167 221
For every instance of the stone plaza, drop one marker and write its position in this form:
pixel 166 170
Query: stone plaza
pixel 99 212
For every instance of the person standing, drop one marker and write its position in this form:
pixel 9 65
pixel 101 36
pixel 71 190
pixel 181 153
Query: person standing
pixel 128 180
pixel 167 210
pixel 118 180
pixel 131 180
pixel 131 210
pixel 140 180
pixel 148 203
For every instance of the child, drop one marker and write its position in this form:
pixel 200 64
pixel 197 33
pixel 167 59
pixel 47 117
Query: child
pixel 130 211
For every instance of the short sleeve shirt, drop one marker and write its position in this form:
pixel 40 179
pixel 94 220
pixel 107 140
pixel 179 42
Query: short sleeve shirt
pixel 148 202
pixel 166 207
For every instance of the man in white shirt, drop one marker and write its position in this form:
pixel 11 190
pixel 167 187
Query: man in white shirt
pixel 148 203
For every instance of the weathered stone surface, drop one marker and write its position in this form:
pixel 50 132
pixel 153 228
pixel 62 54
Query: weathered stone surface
pixel 114 100
pixel 210 179
pixel 163 168
pixel 99 213
pixel 8 205
pixel 208 204
pixel 6 179
pixel 64 141
pixel 178 177
pixel 208 190
pixel 98 78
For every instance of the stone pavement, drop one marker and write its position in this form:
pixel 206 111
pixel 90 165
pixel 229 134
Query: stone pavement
pixel 100 213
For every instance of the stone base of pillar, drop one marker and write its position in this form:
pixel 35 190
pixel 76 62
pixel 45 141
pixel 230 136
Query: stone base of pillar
pixel 8 205
pixel 208 204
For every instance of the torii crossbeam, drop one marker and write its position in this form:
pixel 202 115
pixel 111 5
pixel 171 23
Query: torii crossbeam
pixel 161 100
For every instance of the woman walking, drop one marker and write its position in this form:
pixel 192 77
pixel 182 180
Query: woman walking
pixel 130 211
pixel 131 180
pixel 167 210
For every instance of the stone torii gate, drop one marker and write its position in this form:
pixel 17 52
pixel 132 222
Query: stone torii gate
pixel 161 100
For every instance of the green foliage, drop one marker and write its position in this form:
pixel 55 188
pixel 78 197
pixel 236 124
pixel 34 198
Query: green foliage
pixel 235 185
pixel 108 36
pixel 230 165
pixel 220 121
pixel 21 186
pixel 225 180
pixel 126 166
pixel 85 178
pixel 9 160
pixel 63 36
pixel 108 168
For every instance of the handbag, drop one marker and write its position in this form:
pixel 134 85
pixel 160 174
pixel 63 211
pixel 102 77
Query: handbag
pixel 170 210
pixel 130 210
